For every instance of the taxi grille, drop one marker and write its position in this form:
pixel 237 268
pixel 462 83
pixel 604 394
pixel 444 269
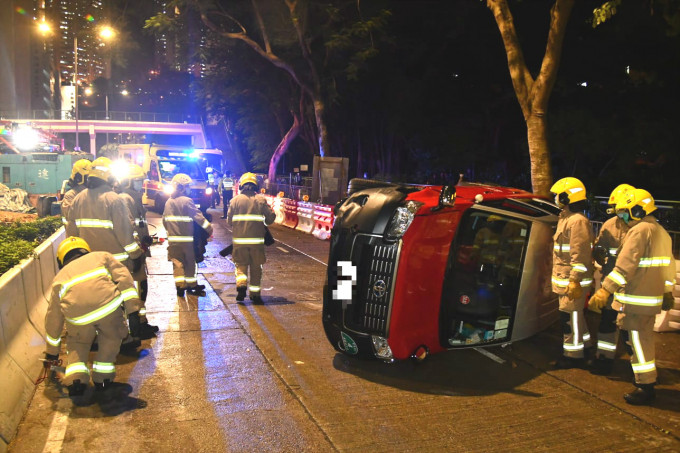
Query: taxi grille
pixel 376 272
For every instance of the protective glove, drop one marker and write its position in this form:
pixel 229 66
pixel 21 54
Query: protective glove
pixel 147 241
pixel 135 324
pixel 599 300
pixel 574 290
pixel 136 264
pixel 668 301
pixel 600 255
pixel 49 359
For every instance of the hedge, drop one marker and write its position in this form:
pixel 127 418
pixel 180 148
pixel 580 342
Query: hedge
pixel 19 239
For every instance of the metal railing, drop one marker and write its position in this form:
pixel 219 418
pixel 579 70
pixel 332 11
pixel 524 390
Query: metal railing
pixel 100 116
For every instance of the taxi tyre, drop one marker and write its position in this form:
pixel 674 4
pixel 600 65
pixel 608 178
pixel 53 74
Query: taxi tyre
pixel 359 184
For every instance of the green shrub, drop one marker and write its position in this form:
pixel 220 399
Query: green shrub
pixel 18 240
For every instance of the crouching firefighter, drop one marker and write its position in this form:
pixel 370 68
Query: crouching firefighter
pixel 88 293
pixel 641 283
pixel 179 216
pixel 572 269
pixel 248 216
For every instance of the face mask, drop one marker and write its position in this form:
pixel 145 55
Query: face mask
pixel 138 185
pixel 557 201
pixel 624 215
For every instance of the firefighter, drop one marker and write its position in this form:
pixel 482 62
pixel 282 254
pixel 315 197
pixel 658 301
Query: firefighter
pixel 605 250
pixel 226 187
pixel 179 216
pixel 572 268
pixel 248 214
pixel 77 183
pixel 87 293
pixel 130 187
pixel 641 283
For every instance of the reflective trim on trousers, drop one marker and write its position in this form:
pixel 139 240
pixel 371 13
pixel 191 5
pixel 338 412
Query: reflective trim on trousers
pixel 53 341
pixel 606 346
pixel 77 367
pixel 104 367
pixel 248 241
pixel 255 289
pixel 642 366
pixel 180 239
pixel 97 314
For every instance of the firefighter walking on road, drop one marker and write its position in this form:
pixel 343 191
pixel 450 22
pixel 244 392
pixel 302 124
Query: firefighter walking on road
pixel 248 214
pixel 77 183
pixel 87 294
pixel 179 216
pixel 605 251
pixel 641 283
pixel 572 268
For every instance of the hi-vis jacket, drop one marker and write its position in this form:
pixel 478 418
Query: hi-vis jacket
pixel 179 216
pixel 572 251
pixel 68 200
pixel 101 217
pixel 133 200
pixel 248 214
pixel 85 291
pixel 645 268
pixel 226 184
pixel 611 237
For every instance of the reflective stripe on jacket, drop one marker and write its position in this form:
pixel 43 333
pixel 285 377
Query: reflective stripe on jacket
pixel 572 251
pixel 248 214
pixel 86 290
pixel 103 219
pixel 645 268
pixel 611 237
pixel 179 216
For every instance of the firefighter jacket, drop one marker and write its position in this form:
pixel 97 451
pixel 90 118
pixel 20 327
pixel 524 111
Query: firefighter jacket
pixel 133 200
pixel 179 216
pixel 248 214
pixel 101 217
pixel 645 268
pixel 572 251
pixel 86 290
pixel 68 200
pixel 610 237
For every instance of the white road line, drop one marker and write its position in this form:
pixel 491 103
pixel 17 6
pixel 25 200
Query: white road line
pixel 282 249
pixel 490 355
pixel 55 436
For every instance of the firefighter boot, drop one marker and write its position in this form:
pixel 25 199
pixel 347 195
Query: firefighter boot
pixel 257 300
pixel 108 391
pixel 77 388
pixel 180 292
pixel 602 366
pixel 130 345
pixel 198 290
pixel 147 331
pixel 240 293
pixel 566 363
pixel 643 395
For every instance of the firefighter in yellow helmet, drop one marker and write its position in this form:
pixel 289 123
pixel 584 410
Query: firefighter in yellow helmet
pixel 179 216
pixel 130 186
pixel 87 294
pixel 605 251
pixel 248 214
pixel 641 283
pixel 572 268
pixel 77 184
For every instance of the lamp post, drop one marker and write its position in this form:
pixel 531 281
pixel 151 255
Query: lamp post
pixel 75 85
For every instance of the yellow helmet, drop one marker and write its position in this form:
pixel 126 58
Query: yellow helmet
pixel 101 168
pixel 69 244
pixel 181 179
pixel 618 192
pixel 247 178
pixel 80 171
pixel 638 202
pixel 568 190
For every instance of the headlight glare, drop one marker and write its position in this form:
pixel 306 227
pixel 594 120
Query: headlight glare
pixel 208 191
pixel 402 219
pixel 168 189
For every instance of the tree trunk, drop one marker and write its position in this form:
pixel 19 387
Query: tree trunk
pixel 539 154
pixel 283 146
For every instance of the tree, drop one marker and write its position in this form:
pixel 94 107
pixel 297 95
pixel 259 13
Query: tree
pixel 533 94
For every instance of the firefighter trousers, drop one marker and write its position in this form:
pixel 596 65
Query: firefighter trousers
pixel 183 264
pixel 640 330
pixel 575 333
pixel 249 258
pixel 607 333
pixel 110 331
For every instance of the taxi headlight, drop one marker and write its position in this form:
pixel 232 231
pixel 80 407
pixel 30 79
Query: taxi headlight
pixel 168 189
pixel 381 348
pixel 401 220
pixel 208 191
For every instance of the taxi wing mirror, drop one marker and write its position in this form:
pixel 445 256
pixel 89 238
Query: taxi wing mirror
pixel 447 197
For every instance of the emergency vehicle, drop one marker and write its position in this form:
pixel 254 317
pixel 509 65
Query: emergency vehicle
pixel 415 270
pixel 161 163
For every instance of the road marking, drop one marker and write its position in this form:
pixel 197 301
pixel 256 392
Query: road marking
pixel 55 436
pixel 490 355
pixel 282 249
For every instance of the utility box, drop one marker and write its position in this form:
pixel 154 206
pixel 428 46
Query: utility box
pixel 329 179
pixel 38 173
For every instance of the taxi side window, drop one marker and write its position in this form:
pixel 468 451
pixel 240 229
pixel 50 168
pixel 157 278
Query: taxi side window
pixel 153 171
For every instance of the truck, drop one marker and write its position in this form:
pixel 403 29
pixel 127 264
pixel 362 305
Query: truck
pixel 415 270
pixel 161 163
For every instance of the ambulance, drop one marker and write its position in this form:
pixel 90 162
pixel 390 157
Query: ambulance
pixel 416 270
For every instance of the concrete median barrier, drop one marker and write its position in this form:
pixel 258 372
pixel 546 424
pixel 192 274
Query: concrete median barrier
pixel 23 303
pixel 290 213
pixel 323 221
pixel 305 213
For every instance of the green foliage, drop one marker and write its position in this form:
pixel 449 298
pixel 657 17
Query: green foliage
pixel 605 12
pixel 19 239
